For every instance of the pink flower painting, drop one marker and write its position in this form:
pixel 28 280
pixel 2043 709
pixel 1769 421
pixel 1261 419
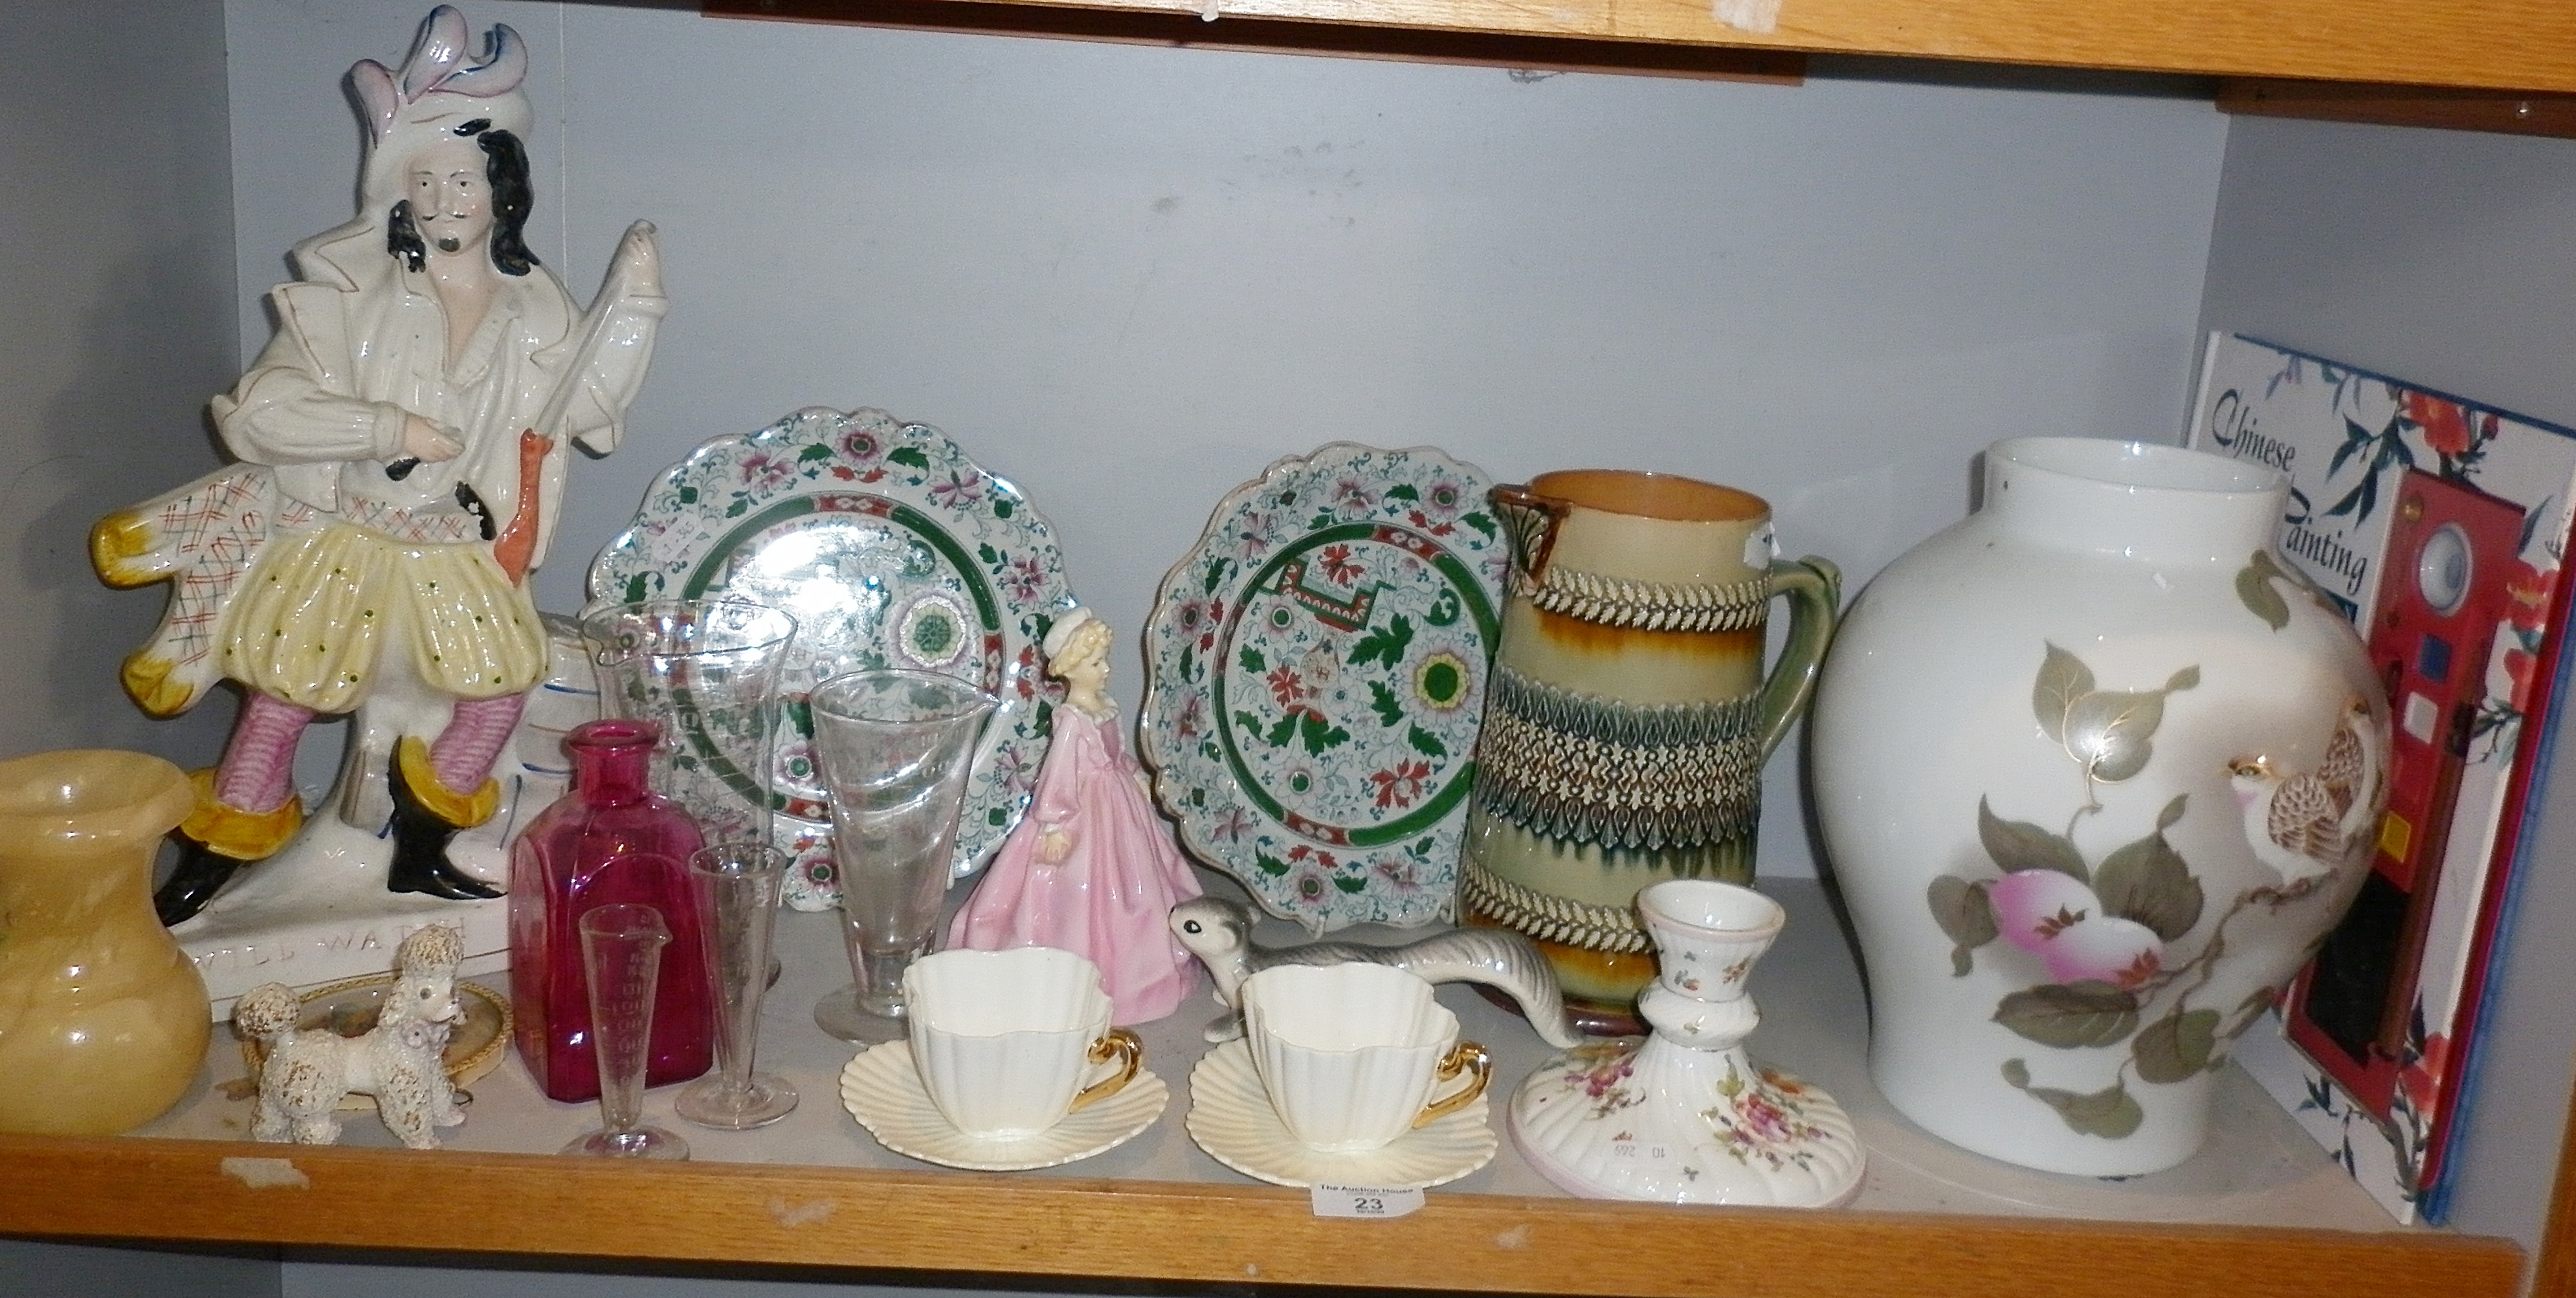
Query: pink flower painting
pixel 2058 918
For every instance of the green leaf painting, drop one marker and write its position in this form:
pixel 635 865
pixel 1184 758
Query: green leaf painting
pixel 1424 742
pixel 1385 645
pixel 2255 589
pixel 2149 882
pixel 1382 701
pixel 1966 914
pixel 2063 678
pixel 910 456
pixel 2176 1046
pixel 1319 733
pixel 2070 1015
pixel 2111 1114
pixel 2020 845
pixel 1253 663
pixel 2107 732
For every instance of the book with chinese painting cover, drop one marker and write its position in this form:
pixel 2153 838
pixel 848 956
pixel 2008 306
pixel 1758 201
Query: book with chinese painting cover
pixel 2440 526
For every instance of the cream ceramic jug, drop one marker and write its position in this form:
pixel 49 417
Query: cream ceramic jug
pixel 103 1019
pixel 1629 715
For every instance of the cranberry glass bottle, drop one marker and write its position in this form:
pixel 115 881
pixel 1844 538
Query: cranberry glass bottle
pixel 610 839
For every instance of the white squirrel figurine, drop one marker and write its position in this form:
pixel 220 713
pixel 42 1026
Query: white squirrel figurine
pixel 1219 933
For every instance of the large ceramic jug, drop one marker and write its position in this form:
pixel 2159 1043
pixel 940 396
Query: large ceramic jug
pixel 2094 772
pixel 1629 717
pixel 103 1019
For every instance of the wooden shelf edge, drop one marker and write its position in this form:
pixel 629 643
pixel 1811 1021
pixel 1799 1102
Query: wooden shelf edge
pixel 930 1221
pixel 1520 52
pixel 2511 46
pixel 2507 112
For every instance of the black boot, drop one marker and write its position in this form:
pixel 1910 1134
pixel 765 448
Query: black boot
pixel 216 840
pixel 201 873
pixel 420 849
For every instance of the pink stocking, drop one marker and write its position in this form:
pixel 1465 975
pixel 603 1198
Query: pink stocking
pixel 259 762
pixel 475 732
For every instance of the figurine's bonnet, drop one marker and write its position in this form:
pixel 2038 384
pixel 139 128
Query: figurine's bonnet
pixel 436 92
pixel 1065 628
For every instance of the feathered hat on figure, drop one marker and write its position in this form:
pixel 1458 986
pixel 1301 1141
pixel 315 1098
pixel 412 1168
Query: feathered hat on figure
pixel 437 91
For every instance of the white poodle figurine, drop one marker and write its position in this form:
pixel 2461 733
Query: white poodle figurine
pixel 399 1061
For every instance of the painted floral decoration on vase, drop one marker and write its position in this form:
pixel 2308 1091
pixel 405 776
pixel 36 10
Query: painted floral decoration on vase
pixel 2108 932
pixel 1091 869
pixel 2143 784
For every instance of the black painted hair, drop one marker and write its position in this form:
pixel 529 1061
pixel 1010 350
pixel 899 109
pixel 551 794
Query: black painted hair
pixel 505 168
pixel 505 164
pixel 402 238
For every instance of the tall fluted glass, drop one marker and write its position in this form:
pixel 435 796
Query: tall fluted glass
pixel 895 748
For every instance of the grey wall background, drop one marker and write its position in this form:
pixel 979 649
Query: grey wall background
pixel 117 275
pixel 117 270
pixel 2449 259
pixel 1129 278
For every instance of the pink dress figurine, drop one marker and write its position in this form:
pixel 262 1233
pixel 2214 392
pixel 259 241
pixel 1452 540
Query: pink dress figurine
pixel 1092 868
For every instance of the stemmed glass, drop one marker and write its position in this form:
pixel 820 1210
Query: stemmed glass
pixel 896 748
pixel 621 950
pixel 736 885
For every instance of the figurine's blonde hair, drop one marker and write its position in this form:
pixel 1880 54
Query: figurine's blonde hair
pixel 1075 636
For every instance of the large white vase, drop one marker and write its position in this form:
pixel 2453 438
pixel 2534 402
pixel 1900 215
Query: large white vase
pixel 2095 773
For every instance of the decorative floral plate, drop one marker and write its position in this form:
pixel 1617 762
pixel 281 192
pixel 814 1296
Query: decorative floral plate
pixel 891 549
pixel 1316 674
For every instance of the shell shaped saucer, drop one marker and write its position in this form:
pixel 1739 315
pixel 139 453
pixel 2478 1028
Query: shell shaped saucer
pixel 883 1090
pixel 1231 1118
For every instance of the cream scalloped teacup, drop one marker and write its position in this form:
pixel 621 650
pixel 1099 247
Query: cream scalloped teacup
pixel 1008 1042
pixel 1351 1054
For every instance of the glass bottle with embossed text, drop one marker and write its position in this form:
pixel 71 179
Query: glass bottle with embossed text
pixel 609 840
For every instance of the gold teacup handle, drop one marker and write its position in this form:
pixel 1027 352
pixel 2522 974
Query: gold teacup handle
pixel 1465 1057
pixel 1121 1045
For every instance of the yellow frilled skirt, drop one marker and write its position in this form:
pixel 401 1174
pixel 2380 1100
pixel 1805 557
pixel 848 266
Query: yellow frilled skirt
pixel 309 619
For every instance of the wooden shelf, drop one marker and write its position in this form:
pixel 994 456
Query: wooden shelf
pixel 2508 45
pixel 970 1225
pixel 2260 1208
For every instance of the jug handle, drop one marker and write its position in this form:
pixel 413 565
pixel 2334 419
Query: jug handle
pixel 1813 587
pixel 1532 519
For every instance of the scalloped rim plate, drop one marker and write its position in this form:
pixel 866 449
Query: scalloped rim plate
pixel 942 567
pixel 1315 678
pixel 883 1091
pixel 1231 1118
